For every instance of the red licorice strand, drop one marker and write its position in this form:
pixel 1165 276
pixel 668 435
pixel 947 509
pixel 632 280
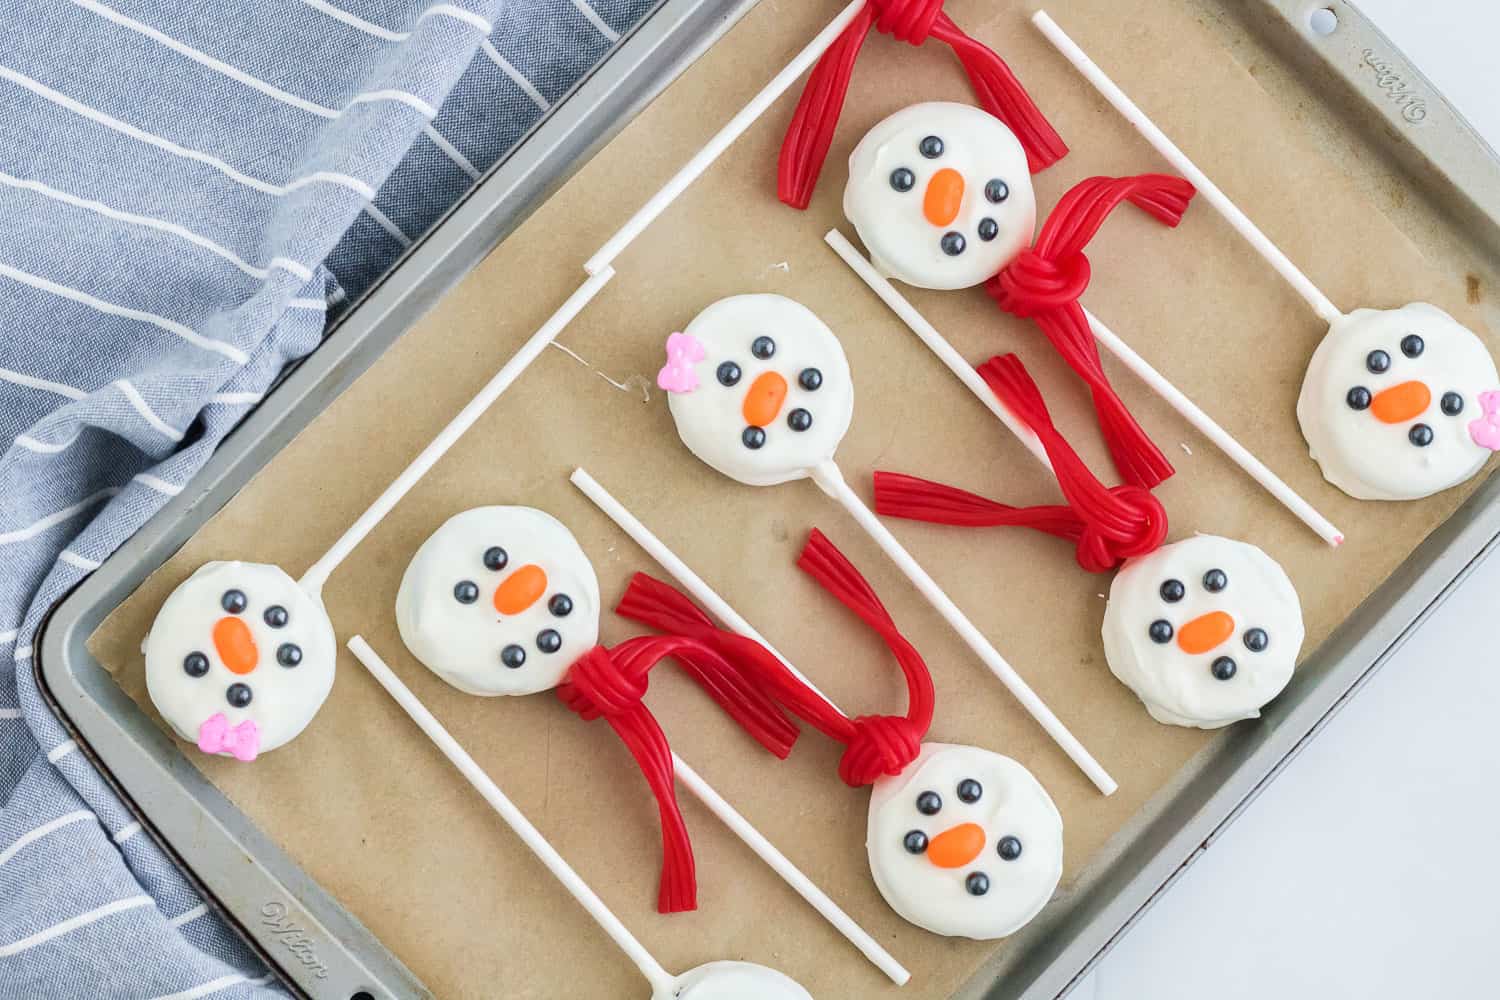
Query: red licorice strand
pixel 1045 282
pixel 822 560
pixel 917 499
pixel 656 605
pixel 1001 93
pixel 810 133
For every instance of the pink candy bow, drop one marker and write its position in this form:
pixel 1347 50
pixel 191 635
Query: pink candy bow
pixel 1486 430
pixel 217 736
pixel 677 375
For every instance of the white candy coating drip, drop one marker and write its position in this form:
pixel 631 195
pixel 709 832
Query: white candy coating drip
pixel 1375 459
pixel 283 699
pixel 1179 686
pixel 943 897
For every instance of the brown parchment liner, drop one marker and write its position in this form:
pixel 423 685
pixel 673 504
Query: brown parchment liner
pixel 377 816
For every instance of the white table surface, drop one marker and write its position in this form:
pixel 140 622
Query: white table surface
pixel 1368 869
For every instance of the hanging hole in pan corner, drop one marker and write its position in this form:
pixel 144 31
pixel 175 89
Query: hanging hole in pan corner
pixel 1323 21
pixel 362 995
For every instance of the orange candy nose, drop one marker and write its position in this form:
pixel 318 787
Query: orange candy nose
pixel 1401 403
pixel 956 846
pixel 1205 632
pixel 235 645
pixel 521 589
pixel 945 193
pixel 763 400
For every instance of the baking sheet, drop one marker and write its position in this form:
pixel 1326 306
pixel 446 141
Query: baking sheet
pixel 379 819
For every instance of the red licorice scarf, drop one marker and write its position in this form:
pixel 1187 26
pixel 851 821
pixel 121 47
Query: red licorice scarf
pixel 1108 524
pixel 609 683
pixel 1045 282
pixel 875 745
pixel 913 21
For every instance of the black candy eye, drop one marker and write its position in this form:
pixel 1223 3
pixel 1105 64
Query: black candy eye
pixel 969 791
pixel 1452 404
pixel 915 842
pixel 978 884
pixel 988 229
pixel 1412 346
pixel 1173 591
pixel 1223 668
pixel 929 803
pixel 276 616
pixel 811 379
pixel 799 419
pixel 239 695
pixel 753 438
pixel 1420 435
pixel 1256 640
pixel 195 664
pixel 466 591
pixel 763 347
pixel 513 656
pixel 1358 398
pixel 903 180
pixel 548 641
pixel 288 654
pixel 953 244
pixel 1009 848
pixel 1215 580
pixel 1160 631
pixel 561 605
pixel 495 558
pixel 997 191
pixel 728 374
pixel 234 601
pixel 931 147
pixel 1378 361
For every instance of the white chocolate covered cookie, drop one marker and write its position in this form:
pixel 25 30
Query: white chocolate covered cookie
pixel 964 842
pixel 239 659
pixel 735 981
pixel 1399 404
pixel 759 388
pixel 941 195
pixel 1205 631
pixel 500 600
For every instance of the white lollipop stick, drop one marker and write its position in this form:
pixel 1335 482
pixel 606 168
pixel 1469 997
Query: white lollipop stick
pixel 1179 160
pixel 1158 383
pixel 722 139
pixel 663 983
pixel 730 817
pixel 935 341
pixel 312 581
pixel 831 481
pixel 720 609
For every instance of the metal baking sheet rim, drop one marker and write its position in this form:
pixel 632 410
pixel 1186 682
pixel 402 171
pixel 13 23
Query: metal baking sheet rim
pixel 315 943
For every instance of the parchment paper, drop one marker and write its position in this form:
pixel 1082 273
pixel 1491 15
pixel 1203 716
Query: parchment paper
pixel 376 815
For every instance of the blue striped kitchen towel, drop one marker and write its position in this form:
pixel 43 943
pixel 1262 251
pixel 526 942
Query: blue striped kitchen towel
pixel 186 190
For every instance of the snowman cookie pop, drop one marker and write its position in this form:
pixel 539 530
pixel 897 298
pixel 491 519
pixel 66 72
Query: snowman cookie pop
pixel 239 659
pixel 1396 404
pixel 503 601
pixel 713 981
pixel 961 841
pixel 1195 650
pixel 759 389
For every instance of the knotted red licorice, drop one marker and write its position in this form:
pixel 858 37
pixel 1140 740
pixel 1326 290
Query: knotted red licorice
pixel 876 745
pixel 1044 284
pixel 913 21
pixel 1107 524
pixel 610 683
